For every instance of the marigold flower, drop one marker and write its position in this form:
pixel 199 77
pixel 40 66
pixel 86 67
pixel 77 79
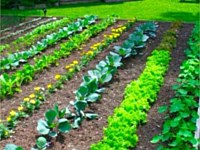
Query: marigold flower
pixel 32 101
pixel 26 99
pixel 75 62
pixel 20 108
pixel 71 65
pixel 12 113
pixel 49 86
pixel 110 36
pixel 32 95
pixel 67 67
pixel 90 52
pixel 8 119
pixel 37 88
pixel 57 77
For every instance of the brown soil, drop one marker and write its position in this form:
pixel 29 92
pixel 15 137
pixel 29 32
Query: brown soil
pixel 10 39
pixel 154 120
pixel 48 51
pixel 47 76
pixel 91 131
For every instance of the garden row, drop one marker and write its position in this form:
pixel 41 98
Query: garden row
pixel 88 92
pixel 90 54
pixel 11 35
pixel 180 123
pixel 60 118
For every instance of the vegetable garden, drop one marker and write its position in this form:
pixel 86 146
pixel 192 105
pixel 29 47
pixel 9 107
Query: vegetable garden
pixel 99 84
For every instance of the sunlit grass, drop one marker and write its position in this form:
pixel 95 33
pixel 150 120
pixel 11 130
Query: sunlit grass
pixel 166 10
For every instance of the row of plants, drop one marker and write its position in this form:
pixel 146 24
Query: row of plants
pixel 14 60
pixel 25 29
pixel 21 24
pixel 12 84
pixel 75 66
pixel 63 120
pixel 180 120
pixel 31 37
pixel 34 100
pixel 121 131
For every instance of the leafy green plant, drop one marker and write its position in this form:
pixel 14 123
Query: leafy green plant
pixel 180 123
pixel 13 60
pixel 54 122
pixel 26 75
pixel 12 147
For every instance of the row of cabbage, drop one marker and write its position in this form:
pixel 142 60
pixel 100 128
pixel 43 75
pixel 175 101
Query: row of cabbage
pixel 12 83
pixel 33 36
pixel 90 89
pixel 14 59
pixel 138 97
pixel 34 100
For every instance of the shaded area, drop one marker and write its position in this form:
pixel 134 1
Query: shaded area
pixel 180 16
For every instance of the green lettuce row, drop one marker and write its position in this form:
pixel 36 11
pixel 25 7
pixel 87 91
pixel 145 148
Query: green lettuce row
pixel 180 124
pixel 122 126
pixel 14 60
pixel 121 132
pixel 11 84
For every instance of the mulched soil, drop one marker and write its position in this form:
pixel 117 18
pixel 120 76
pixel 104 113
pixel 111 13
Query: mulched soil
pixel 90 131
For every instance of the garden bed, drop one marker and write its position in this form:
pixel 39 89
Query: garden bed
pixel 92 131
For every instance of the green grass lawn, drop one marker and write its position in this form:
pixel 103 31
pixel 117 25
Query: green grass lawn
pixel 166 10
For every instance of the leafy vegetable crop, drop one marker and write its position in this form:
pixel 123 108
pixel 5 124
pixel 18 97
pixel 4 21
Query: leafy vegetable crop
pixel 179 126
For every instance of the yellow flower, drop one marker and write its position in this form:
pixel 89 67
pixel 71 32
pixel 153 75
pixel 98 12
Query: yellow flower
pixel 20 108
pixel 71 65
pixel 12 113
pixel 37 88
pixel 113 30
pixel 67 67
pixel 40 97
pixel 90 52
pixel 6 133
pixel 71 70
pixel 49 86
pixel 110 36
pixel 32 95
pixel 32 101
pixel 57 63
pixel 8 119
pixel 57 77
pixel 75 62
pixel 26 99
